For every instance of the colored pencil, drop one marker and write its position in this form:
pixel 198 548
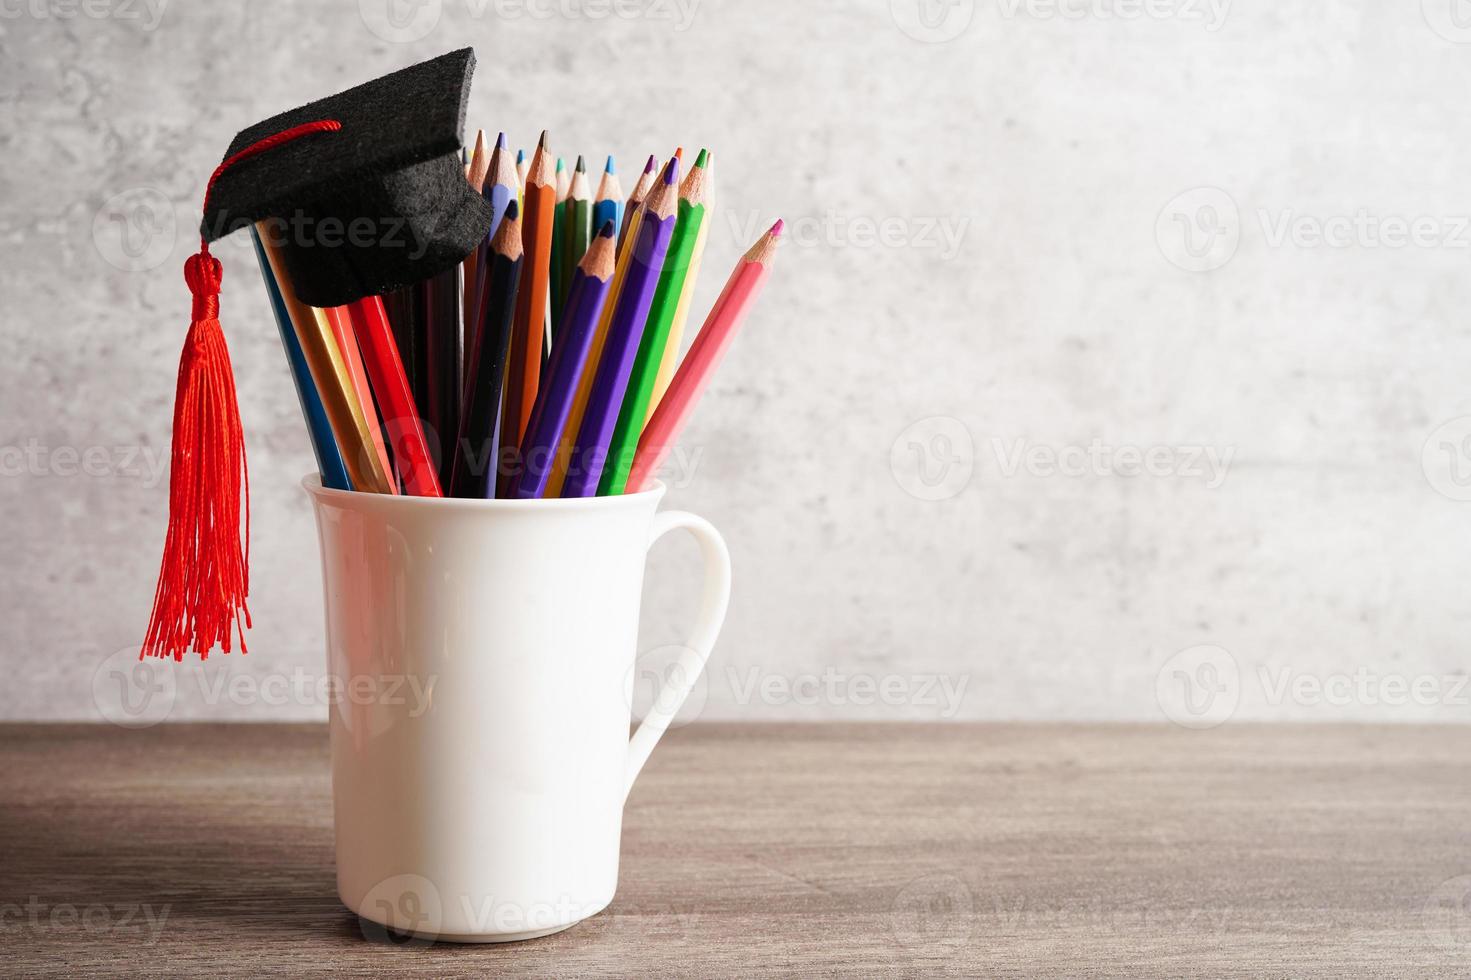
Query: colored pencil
pixel 521 167
pixel 340 325
pixel 670 360
pixel 479 167
pixel 524 368
pixel 501 188
pixel 353 424
pixel 648 249
pixel 405 317
pixel 672 280
pixel 594 357
pixel 704 357
pixel 546 430
pixel 501 183
pixel 324 445
pixel 636 200
pixel 555 273
pixel 607 205
pixel 577 221
pixel 440 363
pixel 415 463
pixel 477 444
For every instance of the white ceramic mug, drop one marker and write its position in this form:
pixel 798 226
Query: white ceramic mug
pixel 484 657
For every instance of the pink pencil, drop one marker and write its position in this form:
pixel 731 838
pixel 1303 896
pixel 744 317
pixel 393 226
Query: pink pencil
pixel 704 357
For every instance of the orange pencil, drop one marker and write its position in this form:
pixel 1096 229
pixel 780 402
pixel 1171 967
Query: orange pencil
pixel 704 357
pixel 527 330
pixel 352 358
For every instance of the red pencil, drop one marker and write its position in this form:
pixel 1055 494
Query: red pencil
pixel 703 358
pixel 396 401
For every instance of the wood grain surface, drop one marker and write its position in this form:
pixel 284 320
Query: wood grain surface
pixel 775 850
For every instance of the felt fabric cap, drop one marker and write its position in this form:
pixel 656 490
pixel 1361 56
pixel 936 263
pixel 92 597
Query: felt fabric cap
pixel 377 205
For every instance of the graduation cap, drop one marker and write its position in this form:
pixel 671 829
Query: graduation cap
pixel 364 192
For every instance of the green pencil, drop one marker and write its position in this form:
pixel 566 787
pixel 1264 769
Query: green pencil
pixel 578 233
pixel 635 406
pixel 555 276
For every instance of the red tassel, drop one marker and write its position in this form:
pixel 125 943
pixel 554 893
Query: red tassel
pixel 205 576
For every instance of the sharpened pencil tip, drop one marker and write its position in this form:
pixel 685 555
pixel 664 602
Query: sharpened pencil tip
pixel 776 229
pixel 609 168
pixel 561 165
pixel 513 210
pixel 671 171
pixel 679 153
pixel 581 165
pixel 500 142
pixel 542 143
pixel 607 230
pixel 520 156
pixel 700 160
pixel 653 162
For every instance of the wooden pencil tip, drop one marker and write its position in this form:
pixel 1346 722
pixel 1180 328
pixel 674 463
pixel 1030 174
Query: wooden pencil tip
pixel 561 165
pixel 776 229
pixel 609 168
pixel 520 155
pixel 581 165
pixel 607 230
pixel 679 153
pixel 671 171
pixel 479 141
pixel 513 210
pixel 500 142
pixel 700 160
pixel 653 162
pixel 542 144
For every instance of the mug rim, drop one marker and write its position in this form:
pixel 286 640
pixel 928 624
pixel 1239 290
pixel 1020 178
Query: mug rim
pixel 312 484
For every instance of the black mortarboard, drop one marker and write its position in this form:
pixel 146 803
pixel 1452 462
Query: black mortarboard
pixel 367 195
pixel 373 206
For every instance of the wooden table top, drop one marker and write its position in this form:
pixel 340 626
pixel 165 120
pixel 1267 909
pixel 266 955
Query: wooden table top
pixel 964 850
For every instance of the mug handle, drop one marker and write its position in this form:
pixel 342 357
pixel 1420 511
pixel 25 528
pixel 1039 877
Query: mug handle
pixel 671 696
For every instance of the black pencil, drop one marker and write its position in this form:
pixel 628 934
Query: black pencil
pixel 477 445
pixel 435 377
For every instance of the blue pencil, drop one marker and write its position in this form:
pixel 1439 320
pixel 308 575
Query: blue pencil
pixel 608 204
pixel 501 186
pixel 329 458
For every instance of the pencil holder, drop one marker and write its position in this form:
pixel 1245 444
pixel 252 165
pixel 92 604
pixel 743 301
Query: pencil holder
pixel 484 653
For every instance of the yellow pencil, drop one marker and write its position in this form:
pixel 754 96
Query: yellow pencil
pixel 670 359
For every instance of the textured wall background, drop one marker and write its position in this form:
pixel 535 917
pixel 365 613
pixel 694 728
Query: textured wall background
pixel 1116 368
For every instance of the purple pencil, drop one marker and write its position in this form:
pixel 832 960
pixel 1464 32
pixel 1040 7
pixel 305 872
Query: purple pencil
pixel 585 299
pixel 625 329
